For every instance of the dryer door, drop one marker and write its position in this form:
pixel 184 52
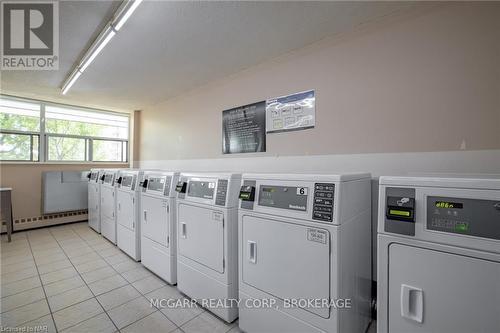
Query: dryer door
pixel 125 212
pixel 155 219
pixel 288 261
pixel 108 202
pixel 433 291
pixel 201 235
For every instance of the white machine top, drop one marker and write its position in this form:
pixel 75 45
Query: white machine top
pixel 224 175
pixel 340 177
pixel 489 182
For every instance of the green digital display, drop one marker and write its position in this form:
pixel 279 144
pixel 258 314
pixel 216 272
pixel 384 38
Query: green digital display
pixel 449 205
pixel 404 213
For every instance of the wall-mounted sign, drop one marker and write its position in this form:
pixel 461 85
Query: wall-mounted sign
pixel 244 129
pixel 291 113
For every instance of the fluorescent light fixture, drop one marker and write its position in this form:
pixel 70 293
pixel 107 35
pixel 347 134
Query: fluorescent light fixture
pixel 71 82
pixel 121 16
pixel 128 12
pixel 96 51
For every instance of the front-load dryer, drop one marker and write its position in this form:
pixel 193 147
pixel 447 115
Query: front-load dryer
pixel 438 254
pixel 207 255
pixel 128 206
pixel 158 224
pixel 108 204
pixel 304 253
pixel 94 199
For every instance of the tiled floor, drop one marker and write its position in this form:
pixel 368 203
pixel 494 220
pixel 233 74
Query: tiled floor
pixel 71 279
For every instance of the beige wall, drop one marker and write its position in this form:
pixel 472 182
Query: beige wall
pixel 423 83
pixel 26 182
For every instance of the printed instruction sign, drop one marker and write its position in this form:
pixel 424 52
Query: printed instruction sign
pixel 244 129
pixel 291 113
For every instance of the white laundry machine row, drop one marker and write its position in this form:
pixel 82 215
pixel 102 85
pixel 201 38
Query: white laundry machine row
pixel 438 255
pixel 94 199
pixel 207 252
pixel 128 206
pixel 108 203
pixel 158 224
pixel 304 253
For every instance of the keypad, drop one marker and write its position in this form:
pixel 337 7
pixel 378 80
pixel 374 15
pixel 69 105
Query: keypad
pixel 323 202
pixel 220 197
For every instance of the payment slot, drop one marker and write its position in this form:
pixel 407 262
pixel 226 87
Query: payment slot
pixel 400 211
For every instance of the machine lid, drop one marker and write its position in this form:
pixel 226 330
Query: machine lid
pixel 337 177
pixel 487 182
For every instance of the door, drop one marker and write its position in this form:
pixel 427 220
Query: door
pixel 433 291
pixel 155 219
pixel 125 209
pixel 107 202
pixel 286 260
pixel 201 236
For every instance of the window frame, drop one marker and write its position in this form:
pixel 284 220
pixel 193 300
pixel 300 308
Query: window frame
pixel 43 136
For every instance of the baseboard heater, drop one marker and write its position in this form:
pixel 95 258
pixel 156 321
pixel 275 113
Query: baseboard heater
pixel 64 191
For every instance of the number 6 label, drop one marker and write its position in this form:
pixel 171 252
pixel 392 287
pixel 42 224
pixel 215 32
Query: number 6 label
pixel 301 190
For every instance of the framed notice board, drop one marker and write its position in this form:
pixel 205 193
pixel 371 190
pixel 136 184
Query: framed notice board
pixel 244 129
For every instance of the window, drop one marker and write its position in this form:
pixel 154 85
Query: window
pixel 38 131
pixel 19 130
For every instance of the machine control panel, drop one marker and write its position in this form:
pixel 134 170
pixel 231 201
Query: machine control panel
pixel 201 189
pixel 323 202
pixel 285 197
pixel 108 178
pixel 473 217
pixel 155 183
pixel 93 176
pixel 220 196
pixel 128 181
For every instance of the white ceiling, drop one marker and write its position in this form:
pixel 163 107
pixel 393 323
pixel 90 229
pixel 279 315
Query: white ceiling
pixel 168 47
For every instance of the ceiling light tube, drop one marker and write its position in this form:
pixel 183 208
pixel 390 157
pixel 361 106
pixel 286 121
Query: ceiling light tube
pixel 72 80
pixel 95 51
pixel 129 8
pixel 121 16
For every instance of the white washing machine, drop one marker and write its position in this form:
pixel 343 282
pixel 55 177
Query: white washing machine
pixel 108 204
pixel 158 229
pixel 304 248
pixel 128 207
pixel 438 255
pixel 207 252
pixel 94 200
